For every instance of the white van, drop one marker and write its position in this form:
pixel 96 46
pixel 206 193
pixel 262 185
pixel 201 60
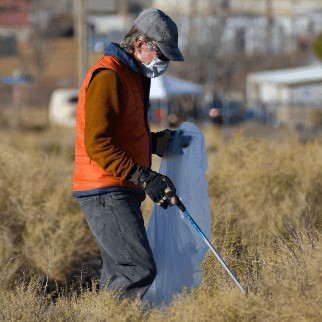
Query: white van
pixel 62 107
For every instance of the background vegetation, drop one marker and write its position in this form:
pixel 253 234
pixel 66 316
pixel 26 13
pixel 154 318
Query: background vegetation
pixel 266 203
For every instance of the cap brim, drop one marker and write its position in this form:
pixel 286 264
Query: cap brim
pixel 172 53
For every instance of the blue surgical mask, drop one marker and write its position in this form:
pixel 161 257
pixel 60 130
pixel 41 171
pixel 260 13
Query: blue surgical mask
pixel 154 69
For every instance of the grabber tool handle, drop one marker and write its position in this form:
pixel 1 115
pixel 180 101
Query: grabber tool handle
pixel 205 239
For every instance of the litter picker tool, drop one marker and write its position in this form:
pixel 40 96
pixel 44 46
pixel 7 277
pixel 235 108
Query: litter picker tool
pixel 211 247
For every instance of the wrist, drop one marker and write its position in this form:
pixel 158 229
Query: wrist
pixel 135 174
pixel 143 176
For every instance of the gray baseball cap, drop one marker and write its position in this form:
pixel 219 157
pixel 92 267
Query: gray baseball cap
pixel 156 25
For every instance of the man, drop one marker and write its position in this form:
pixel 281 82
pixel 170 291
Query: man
pixel 113 150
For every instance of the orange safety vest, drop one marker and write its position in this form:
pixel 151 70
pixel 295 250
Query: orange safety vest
pixel 133 134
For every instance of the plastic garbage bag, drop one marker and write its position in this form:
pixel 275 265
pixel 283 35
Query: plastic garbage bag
pixel 177 248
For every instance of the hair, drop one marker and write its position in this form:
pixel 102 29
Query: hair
pixel 128 43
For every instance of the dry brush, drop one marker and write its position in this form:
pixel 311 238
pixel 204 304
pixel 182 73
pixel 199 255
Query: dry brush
pixel 266 204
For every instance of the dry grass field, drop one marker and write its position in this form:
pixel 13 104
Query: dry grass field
pixel 266 201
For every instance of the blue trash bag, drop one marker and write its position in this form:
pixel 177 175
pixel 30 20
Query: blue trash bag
pixel 177 248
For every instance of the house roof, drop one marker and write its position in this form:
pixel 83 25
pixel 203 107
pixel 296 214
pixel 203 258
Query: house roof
pixel 290 77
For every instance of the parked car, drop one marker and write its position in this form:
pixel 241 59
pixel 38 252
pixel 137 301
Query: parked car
pixel 223 111
pixel 62 106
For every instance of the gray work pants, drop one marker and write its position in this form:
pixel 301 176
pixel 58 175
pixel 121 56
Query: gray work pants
pixel 115 219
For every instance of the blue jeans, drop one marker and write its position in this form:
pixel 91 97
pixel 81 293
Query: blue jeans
pixel 115 219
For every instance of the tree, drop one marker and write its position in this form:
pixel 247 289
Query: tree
pixel 317 46
pixel 202 28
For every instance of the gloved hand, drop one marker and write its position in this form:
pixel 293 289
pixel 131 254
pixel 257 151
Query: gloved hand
pixel 157 186
pixel 169 143
pixel 160 141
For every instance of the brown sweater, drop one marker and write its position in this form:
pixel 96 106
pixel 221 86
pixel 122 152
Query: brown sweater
pixel 102 112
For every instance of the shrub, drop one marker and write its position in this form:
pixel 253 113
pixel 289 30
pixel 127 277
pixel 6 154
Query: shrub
pixel 266 224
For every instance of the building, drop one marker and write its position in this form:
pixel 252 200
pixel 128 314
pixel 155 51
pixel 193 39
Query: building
pixel 291 97
pixel 255 26
pixel 13 20
pixel 13 13
pixel 245 7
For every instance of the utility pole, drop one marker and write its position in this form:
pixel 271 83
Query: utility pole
pixel 126 16
pixel 82 40
pixel 269 26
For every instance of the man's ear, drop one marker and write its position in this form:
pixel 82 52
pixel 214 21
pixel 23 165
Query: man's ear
pixel 140 42
pixel 138 47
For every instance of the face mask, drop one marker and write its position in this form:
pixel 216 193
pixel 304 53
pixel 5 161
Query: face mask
pixel 156 68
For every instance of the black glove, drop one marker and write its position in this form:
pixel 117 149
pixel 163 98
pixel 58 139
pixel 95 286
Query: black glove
pixel 157 186
pixel 161 142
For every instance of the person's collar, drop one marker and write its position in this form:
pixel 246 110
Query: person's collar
pixel 136 60
pixel 130 61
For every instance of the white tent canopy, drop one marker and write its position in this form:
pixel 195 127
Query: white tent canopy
pixel 163 87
